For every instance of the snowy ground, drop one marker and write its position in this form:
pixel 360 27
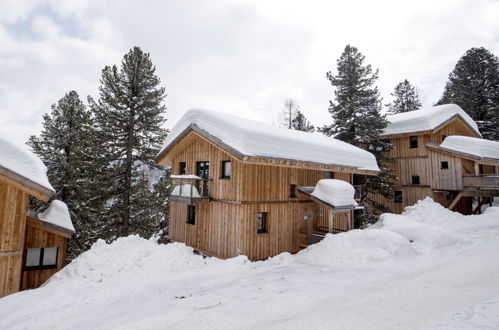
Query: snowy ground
pixel 427 269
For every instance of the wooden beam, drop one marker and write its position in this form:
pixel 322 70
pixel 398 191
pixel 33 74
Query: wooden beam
pixel 455 201
pixel 28 186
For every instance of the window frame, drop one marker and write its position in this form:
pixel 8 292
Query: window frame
pixel 182 168
pixel 223 172
pixel 413 142
pixel 206 168
pixel 262 229
pixel 415 178
pixel 40 261
pixel 191 215
pixel 444 165
pixel 398 196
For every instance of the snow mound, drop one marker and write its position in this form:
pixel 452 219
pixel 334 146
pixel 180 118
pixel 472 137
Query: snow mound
pixel 426 119
pixel 57 214
pixel 251 138
pixel 335 192
pixel 24 163
pixel 473 146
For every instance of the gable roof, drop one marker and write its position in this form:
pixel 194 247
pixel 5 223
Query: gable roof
pixel 471 146
pixel 427 119
pixel 21 166
pixel 242 137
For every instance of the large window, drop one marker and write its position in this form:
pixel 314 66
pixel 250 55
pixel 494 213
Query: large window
pixel 261 218
pixel 203 169
pixel 191 214
pixel 413 141
pixel 181 168
pixel 226 169
pixel 41 258
pixel 398 196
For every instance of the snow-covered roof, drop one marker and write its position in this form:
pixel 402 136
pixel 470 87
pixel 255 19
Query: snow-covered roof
pixel 338 193
pixel 427 119
pixel 23 163
pixel 251 138
pixel 57 214
pixel 186 176
pixel 480 148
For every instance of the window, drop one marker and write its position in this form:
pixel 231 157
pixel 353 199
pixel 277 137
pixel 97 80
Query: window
pixel 330 175
pixel 443 137
pixel 181 168
pixel 444 165
pixel 386 145
pixel 41 258
pixel 191 214
pixel 415 179
pixel 261 223
pixel 398 196
pixel 292 191
pixel 203 169
pixel 226 169
pixel 413 141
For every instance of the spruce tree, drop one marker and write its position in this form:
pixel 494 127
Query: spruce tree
pixel 406 98
pixel 356 112
pixel 65 145
pixel 300 123
pixel 129 117
pixel 474 86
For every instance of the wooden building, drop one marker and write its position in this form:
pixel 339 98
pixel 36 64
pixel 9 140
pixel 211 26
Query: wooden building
pixel 243 188
pixel 424 168
pixel 23 176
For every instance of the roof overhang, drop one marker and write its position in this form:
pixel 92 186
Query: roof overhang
pixel 30 187
pixel 49 227
pixel 307 192
pixel 481 160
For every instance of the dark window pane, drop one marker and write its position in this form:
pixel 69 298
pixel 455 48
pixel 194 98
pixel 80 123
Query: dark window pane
pixel 181 168
pixel 203 169
pixel 414 141
pixel 226 169
pixel 415 179
pixel 191 214
pixel 292 191
pixel 261 222
pixel 445 165
pixel 398 197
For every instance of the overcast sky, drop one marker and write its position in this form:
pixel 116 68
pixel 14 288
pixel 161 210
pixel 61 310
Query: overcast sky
pixel 241 57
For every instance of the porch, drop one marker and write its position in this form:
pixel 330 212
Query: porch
pixel 189 189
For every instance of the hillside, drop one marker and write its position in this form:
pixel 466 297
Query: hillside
pixel 425 269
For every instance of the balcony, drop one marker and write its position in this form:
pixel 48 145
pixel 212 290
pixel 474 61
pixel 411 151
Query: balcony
pixel 482 182
pixel 188 189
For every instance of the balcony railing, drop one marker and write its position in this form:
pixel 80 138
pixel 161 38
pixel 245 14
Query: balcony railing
pixel 483 181
pixel 188 188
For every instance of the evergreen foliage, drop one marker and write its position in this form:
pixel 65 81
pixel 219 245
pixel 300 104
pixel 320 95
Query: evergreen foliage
pixel 406 98
pixel 300 123
pixel 474 86
pixel 356 112
pixel 129 119
pixel 66 146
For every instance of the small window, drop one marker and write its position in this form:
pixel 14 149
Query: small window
pixel 444 165
pixel 261 223
pixel 292 191
pixel 443 137
pixel 385 141
pixel 330 175
pixel 226 169
pixel 398 196
pixel 414 141
pixel 191 214
pixel 415 179
pixel 41 258
pixel 203 170
pixel 181 168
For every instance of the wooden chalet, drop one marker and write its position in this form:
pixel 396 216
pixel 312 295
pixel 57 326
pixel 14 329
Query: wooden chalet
pixel 245 188
pixel 428 162
pixel 31 249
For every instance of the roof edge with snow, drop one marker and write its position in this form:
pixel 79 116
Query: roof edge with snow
pixel 35 188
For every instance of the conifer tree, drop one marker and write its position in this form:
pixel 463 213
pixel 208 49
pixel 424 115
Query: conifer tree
pixel 406 98
pixel 300 123
pixel 288 113
pixel 129 117
pixel 65 145
pixel 357 117
pixel 474 86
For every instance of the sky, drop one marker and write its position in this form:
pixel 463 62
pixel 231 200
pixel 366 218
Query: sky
pixel 236 56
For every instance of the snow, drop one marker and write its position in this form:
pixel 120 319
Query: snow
pixel 251 138
pixel 426 119
pixel 185 191
pixel 24 163
pixel 473 146
pixel 338 193
pixel 428 268
pixel 57 214
pixel 186 176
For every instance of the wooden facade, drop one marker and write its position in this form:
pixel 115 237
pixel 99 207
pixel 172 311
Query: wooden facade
pixel 426 171
pixel 226 224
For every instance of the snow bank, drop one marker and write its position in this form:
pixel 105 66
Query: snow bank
pixel 23 162
pixel 426 119
pixel 251 138
pixel 57 214
pixel 335 192
pixel 474 146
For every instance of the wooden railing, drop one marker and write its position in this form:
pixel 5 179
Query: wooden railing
pixel 482 181
pixel 188 188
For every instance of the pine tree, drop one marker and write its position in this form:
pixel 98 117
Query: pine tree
pixel 65 145
pixel 129 117
pixel 356 112
pixel 474 86
pixel 300 123
pixel 406 98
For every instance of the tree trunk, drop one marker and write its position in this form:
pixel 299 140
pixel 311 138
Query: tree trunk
pixel 125 221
